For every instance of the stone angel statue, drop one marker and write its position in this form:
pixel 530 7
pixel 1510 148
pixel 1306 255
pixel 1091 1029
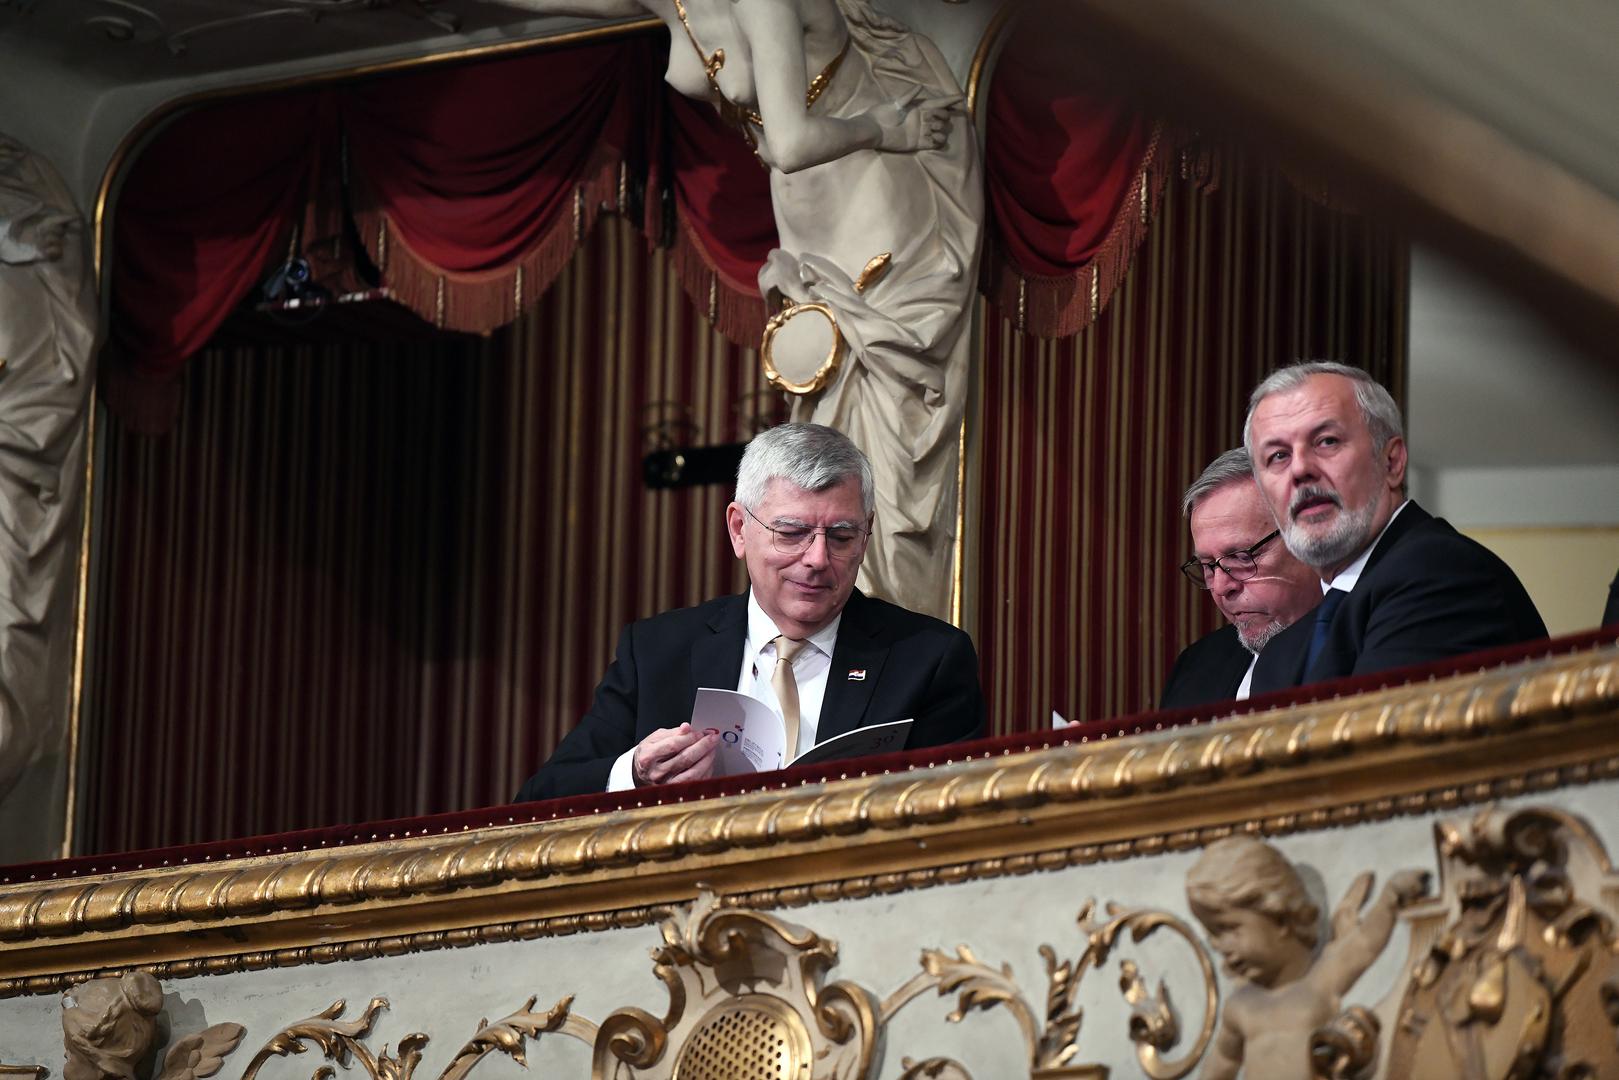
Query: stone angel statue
pixel 878 199
pixel 48 323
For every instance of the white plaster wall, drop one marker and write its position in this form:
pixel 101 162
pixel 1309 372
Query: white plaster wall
pixel 1005 920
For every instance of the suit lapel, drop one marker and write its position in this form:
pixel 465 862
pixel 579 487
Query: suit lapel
pixel 1281 663
pixel 716 659
pixel 1412 516
pixel 862 646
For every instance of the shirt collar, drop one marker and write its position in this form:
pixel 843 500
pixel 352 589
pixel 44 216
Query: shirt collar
pixel 1349 576
pixel 762 630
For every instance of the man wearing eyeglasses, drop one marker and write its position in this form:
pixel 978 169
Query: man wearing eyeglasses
pixel 1257 585
pixel 803 639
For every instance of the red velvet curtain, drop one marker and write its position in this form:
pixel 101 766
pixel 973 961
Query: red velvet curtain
pixel 472 185
pixel 1073 175
pixel 379 578
pixel 209 207
pixel 475 183
pixel 1088 442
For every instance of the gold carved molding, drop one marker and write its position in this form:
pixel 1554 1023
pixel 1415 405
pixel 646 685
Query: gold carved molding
pixel 1402 750
pixel 1511 970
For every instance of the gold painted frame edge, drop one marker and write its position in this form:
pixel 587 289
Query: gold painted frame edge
pixel 1529 726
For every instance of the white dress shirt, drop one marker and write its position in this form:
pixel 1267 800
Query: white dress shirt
pixel 1245 689
pixel 810 669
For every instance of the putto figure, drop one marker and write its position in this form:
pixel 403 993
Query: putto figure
pixel 878 199
pixel 1262 922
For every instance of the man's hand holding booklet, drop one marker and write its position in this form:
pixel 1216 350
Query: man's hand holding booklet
pixel 753 738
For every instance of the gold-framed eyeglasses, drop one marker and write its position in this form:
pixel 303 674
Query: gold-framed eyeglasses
pixel 1238 565
pixel 842 541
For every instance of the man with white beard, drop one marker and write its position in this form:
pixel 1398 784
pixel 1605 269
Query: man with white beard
pixel 1399 586
pixel 1261 589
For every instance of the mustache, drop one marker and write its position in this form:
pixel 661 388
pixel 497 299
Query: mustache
pixel 1308 492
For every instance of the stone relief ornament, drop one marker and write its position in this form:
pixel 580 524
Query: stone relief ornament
pixel 48 325
pixel 1261 921
pixel 110 1027
pixel 1516 974
pixel 1513 974
pixel 749 996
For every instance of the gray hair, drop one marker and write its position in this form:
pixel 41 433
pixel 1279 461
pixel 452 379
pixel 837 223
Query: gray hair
pixel 1228 468
pixel 813 457
pixel 1377 405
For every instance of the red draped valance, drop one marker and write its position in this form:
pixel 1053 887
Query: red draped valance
pixel 469 187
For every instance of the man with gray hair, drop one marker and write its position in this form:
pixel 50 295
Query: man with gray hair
pixel 803 639
pixel 1252 578
pixel 1399 586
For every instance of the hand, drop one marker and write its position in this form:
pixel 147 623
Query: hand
pixel 1408 885
pixel 670 755
pixel 906 128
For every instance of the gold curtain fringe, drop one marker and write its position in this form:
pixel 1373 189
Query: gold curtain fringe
pixel 737 311
pixel 486 300
pixel 1062 306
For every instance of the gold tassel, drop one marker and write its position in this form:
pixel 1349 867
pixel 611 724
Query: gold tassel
pixel 438 305
pixel 517 292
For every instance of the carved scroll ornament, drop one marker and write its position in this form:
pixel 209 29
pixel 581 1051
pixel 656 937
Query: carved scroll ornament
pixel 1513 973
pixel 1521 978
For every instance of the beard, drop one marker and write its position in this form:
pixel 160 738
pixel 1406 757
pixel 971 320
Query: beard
pixel 1256 639
pixel 1347 536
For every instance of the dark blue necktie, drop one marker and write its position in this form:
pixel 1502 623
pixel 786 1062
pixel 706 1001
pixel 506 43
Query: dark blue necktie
pixel 1323 623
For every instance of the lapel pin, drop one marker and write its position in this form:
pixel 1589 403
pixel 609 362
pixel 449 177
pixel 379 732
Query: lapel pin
pixel 857 675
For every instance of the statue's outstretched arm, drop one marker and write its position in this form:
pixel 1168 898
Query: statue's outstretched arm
pixel 794 138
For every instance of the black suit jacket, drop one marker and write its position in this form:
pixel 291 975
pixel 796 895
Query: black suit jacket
pixel 916 668
pixel 1209 669
pixel 1427 592
pixel 1610 614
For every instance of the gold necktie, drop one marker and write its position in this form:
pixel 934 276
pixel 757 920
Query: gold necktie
pixel 786 688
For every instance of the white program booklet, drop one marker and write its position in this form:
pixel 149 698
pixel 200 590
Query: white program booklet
pixel 753 738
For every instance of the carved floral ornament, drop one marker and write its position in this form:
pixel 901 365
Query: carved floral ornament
pixel 1512 971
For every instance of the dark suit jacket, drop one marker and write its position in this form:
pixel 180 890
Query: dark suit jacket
pixel 1610 614
pixel 916 668
pixel 1427 592
pixel 1209 669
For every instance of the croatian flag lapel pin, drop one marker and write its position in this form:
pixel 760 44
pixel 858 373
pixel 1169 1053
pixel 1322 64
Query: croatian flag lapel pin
pixel 857 675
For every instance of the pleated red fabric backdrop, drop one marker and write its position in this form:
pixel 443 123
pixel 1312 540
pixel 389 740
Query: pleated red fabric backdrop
pixel 1089 441
pixel 379 580
pixel 364 581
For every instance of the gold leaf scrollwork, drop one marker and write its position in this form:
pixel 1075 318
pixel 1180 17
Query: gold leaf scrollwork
pixel 507 1035
pixel 1523 977
pixel 339 1040
pixel 343 1040
pixel 1153 1026
pixel 729 968
pixel 1346 1049
pixel 1052 1040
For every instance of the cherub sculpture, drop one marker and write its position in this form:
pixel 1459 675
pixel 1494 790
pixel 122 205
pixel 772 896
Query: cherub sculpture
pixel 1262 922
pixel 110 1025
pixel 878 199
